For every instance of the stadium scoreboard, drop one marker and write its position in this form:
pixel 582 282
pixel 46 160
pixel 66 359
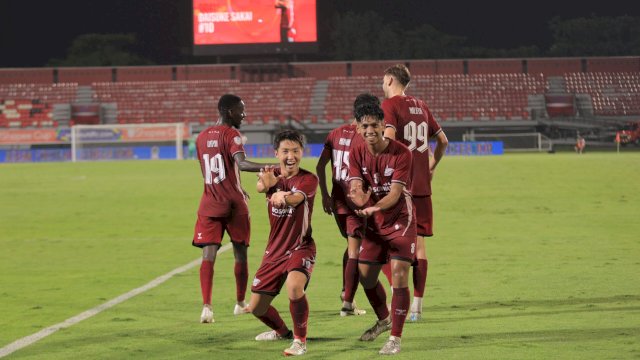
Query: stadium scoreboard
pixel 238 27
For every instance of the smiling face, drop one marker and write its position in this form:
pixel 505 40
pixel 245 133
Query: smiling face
pixel 372 129
pixel 236 115
pixel 289 153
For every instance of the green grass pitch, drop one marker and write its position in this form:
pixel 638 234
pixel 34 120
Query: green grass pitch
pixel 536 256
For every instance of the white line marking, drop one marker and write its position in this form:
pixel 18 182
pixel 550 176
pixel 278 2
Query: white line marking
pixel 28 340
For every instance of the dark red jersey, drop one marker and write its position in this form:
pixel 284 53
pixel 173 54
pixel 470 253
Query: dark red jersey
pixel 223 195
pixel 414 125
pixel 393 165
pixel 339 143
pixel 291 226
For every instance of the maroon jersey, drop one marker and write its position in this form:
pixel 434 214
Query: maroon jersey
pixel 377 173
pixel 223 195
pixel 291 226
pixel 338 143
pixel 414 125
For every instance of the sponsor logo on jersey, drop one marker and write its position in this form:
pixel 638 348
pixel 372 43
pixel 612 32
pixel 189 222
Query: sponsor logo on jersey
pixel 288 211
pixel 212 143
pixel 415 110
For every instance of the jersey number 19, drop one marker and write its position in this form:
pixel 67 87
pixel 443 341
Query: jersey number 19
pixel 213 165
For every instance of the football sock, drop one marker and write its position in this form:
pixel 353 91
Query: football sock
pixel 351 278
pixel 299 314
pixel 378 300
pixel 386 270
pixel 241 270
pixel 206 280
pixel 345 263
pixel 272 319
pixel 416 306
pixel 420 277
pixel 399 307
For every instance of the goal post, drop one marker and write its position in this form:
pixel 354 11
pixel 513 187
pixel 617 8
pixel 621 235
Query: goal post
pixel 526 141
pixel 128 141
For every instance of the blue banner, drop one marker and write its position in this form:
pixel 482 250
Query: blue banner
pixel 471 148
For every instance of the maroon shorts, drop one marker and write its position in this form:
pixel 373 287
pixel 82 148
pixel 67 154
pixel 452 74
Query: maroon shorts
pixel 209 230
pixel 271 275
pixel 424 215
pixel 350 225
pixel 375 250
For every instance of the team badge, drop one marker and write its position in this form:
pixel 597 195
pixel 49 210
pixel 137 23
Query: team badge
pixel 237 140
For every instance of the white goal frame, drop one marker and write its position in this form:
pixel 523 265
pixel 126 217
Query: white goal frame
pixel 540 142
pixel 175 134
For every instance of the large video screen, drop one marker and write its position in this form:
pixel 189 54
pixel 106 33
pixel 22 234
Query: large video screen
pixel 253 26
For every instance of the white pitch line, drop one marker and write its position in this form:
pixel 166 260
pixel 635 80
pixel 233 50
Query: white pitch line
pixel 28 340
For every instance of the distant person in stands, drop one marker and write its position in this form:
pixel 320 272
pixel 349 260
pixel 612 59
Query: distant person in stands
pixel 287 31
pixel 223 206
pixel 336 150
pixel 580 144
pixel 409 120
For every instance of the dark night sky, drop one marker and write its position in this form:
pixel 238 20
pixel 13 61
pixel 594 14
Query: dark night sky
pixel 32 32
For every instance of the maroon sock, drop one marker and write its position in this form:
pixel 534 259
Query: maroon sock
pixel 241 270
pixel 273 320
pixel 206 280
pixel 351 278
pixel 345 263
pixel 386 270
pixel 420 277
pixel 399 308
pixel 378 300
pixel 299 314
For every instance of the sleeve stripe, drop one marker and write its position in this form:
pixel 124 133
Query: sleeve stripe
pixel 391 126
pixel 239 151
pixel 399 182
pixel 437 132
pixel 354 178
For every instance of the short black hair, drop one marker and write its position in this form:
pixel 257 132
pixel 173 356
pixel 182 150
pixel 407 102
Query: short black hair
pixel 369 109
pixel 226 102
pixel 291 135
pixel 365 98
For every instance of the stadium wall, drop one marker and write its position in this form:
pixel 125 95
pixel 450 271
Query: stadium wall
pixel 322 70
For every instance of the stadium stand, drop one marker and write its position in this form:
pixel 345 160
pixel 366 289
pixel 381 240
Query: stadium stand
pixel 191 101
pixel 30 105
pixel 612 93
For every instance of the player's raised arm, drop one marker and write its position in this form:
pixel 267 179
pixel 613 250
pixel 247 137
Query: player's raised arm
pixel 246 165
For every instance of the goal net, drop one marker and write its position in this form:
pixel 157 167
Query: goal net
pixel 127 141
pixel 529 141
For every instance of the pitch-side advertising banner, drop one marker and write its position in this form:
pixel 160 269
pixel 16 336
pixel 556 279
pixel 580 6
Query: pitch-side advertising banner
pixel 226 22
pixel 63 136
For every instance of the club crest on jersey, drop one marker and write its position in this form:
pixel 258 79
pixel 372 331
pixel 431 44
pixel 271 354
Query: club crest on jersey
pixel 237 140
pixel 212 143
pixel 388 171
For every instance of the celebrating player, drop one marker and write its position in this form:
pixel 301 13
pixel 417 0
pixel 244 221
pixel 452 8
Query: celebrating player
pixel 409 120
pixel 223 205
pixel 336 149
pixel 379 174
pixel 291 251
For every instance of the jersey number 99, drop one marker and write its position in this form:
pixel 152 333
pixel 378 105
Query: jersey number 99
pixel 416 132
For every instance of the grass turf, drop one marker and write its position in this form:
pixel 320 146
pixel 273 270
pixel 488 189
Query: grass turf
pixel 535 256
